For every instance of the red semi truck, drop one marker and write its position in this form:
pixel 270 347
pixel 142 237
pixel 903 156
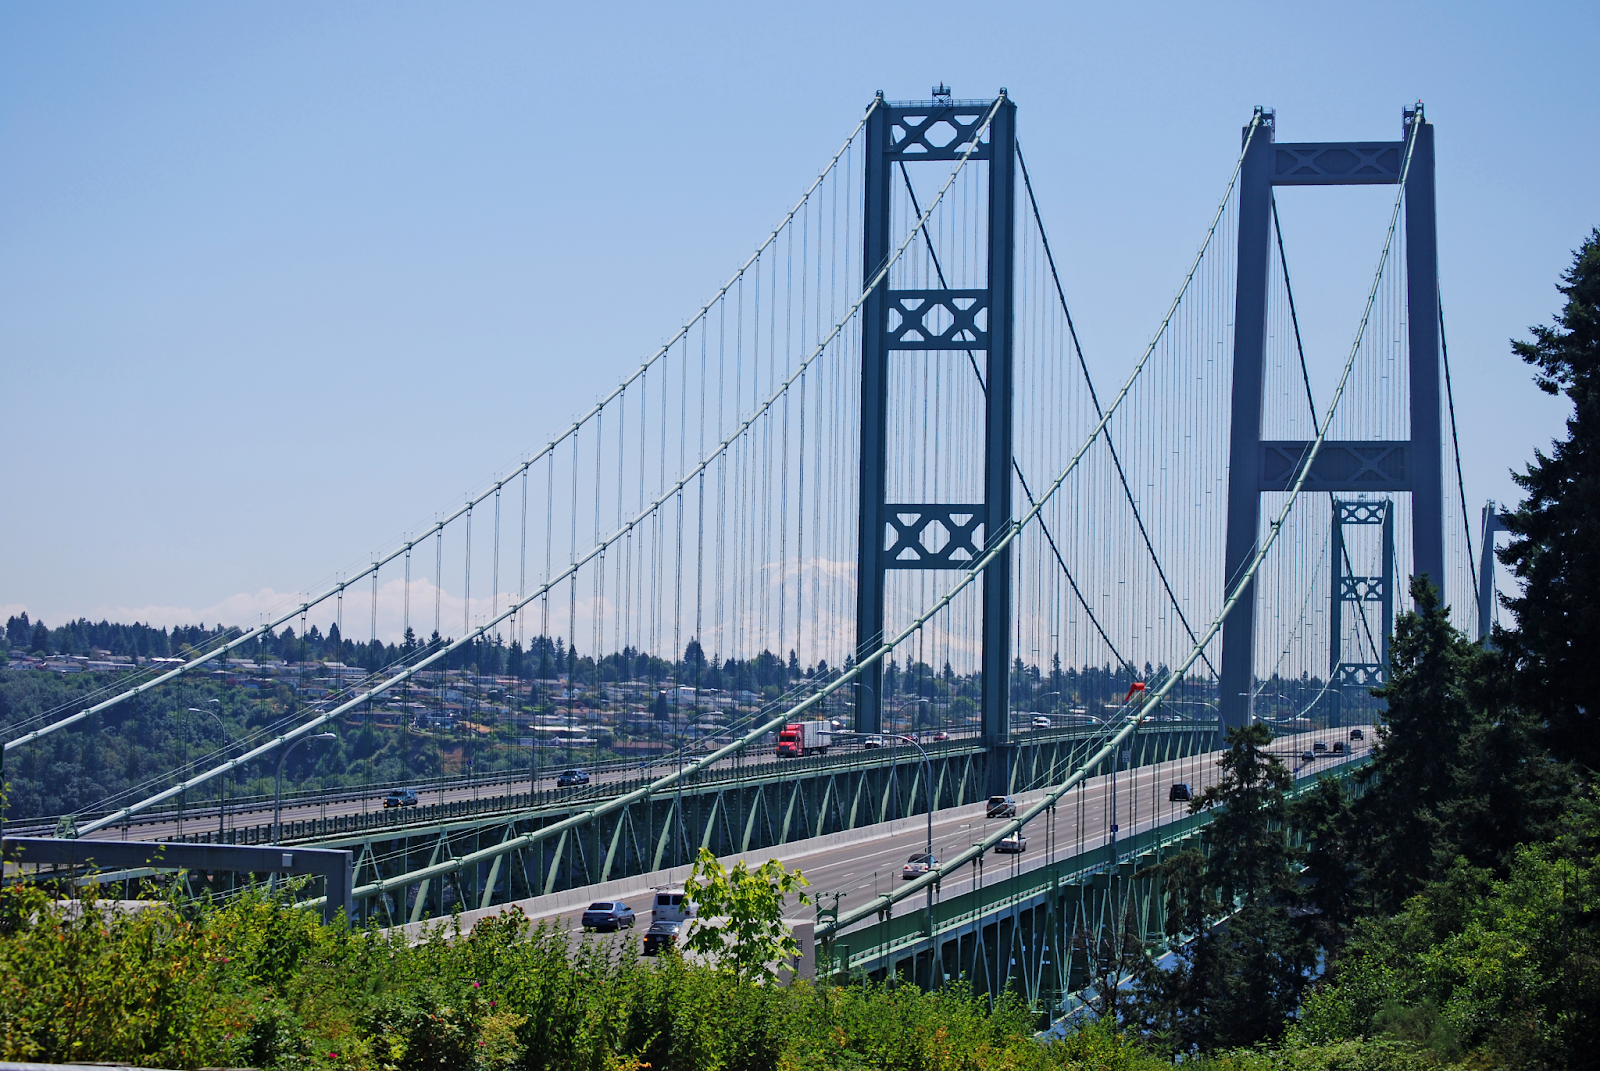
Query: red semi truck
pixel 804 738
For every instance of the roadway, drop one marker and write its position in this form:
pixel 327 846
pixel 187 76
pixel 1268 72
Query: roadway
pixel 871 865
pixel 202 816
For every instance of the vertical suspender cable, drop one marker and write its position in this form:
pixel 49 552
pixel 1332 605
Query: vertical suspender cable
pixel 1455 439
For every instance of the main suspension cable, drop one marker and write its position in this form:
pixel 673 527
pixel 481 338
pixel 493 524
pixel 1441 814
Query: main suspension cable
pixel 1116 460
pixel 438 527
pixel 579 560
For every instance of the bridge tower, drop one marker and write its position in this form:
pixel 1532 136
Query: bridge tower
pixel 1492 526
pixel 978 320
pixel 1347 587
pixel 1414 465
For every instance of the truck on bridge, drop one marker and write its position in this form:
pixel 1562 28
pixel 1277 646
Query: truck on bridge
pixel 800 738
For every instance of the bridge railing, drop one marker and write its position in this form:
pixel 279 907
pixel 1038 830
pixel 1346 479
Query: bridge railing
pixel 892 933
pixel 555 800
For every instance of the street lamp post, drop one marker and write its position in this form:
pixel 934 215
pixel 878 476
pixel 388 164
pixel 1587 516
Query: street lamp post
pixel 277 790
pixel 222 795
pixel 927 773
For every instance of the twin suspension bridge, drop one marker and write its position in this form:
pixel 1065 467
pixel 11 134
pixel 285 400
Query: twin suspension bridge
pixel 871 484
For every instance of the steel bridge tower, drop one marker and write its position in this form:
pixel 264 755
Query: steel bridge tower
pixel 979 320
pixel 1492 526
pixel 1414 465
pixel 1347 587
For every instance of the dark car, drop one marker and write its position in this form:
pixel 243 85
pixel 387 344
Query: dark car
pixel 1180 793
pixel 1001 807
pixel 1357 734
pixel 1308 756
pixel 608 915
pixel 568 778
pixel 1319 746
pixel 1338 747
pixel 661 935
pixel 400 797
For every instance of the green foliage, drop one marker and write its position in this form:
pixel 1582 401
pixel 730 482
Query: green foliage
pixel 1458 770
pixel 1325 818
pixel 740 924
pixel 1411 778
pixel 259 984
pixel 1555 549
pixel 1359 1055
pixel 1250 856
pixel 1508 967
pixel 81 985
pixel 1236 983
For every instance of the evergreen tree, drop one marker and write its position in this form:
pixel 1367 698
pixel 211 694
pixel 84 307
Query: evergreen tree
pixel 1249 855
pixel 1237 983
pixel 1325 817
pixel 1556 546
pixel 1411 780
pixel 694 657
pixel 1505 789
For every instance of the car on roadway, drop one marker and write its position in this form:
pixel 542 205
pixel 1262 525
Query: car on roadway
pixel 917 866
pixel 1180 792
pixel 1001 807
pixel 606 915
pixel 1041 721
pixel 1357 734
pixel 1319 746
pixel 569 778
pixel 1308 756
pixel 661 935
pixel 672 904
pixel 1338 747
pixel 400 797
pixel 940 736
pixel 1015 844
pixel 874 741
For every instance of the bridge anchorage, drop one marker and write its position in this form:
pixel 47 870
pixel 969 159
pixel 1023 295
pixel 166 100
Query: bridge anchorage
pixel 871 483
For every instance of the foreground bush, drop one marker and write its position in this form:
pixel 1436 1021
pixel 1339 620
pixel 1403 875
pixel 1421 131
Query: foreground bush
pixel 259 984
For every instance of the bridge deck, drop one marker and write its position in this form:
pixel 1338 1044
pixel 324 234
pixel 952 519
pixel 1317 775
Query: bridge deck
pixel 864 862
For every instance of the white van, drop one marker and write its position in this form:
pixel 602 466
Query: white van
pixel 671 905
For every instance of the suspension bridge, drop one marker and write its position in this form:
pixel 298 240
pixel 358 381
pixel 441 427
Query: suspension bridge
pixel 871 485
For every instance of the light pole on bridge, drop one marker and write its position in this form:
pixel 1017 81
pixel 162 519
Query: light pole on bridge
pixel 927 774
pixel 277 790
pixel 222 795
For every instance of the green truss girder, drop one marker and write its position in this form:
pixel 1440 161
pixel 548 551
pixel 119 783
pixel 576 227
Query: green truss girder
pixel 1029 932
pixel 729 811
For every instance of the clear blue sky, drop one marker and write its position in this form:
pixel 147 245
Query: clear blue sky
pixel 280 281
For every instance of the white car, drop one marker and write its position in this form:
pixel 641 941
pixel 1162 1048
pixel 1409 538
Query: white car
pixel 1040 721
pixel 1015 844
